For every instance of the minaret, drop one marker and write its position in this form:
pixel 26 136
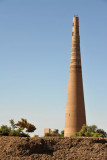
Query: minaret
pixel 75 108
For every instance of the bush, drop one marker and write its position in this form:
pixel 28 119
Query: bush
pixel 4 130
pixel 52 135
pixel 90 131
pixel 48 134
pixel 55 134
pixel 18 132
pixel 62 133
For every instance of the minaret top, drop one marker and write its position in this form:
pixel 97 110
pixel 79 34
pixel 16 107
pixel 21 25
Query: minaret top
pixel 75 21
pixel 75 51
pixel 75 28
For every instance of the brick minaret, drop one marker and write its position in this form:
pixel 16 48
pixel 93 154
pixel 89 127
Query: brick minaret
pixel 75 108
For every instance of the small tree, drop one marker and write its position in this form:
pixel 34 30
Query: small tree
pixel 18 128
pixel 23 124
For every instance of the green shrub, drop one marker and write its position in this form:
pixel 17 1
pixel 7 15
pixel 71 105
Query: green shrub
pixel 4 130
pixel 90 131
pixel 18 132
pixel 55 134
pixel 62 133
pixel 48 134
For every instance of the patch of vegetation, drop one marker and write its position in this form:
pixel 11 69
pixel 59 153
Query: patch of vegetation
pixel 55 134
pixel 17 129
pixel 62 133
pixel 90 131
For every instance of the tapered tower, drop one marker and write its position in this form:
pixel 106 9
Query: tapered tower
pixel 75 108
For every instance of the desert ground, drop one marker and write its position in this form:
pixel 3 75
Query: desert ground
pixel 52 148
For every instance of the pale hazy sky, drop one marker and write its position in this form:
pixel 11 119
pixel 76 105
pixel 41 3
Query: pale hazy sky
pixel 35 46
